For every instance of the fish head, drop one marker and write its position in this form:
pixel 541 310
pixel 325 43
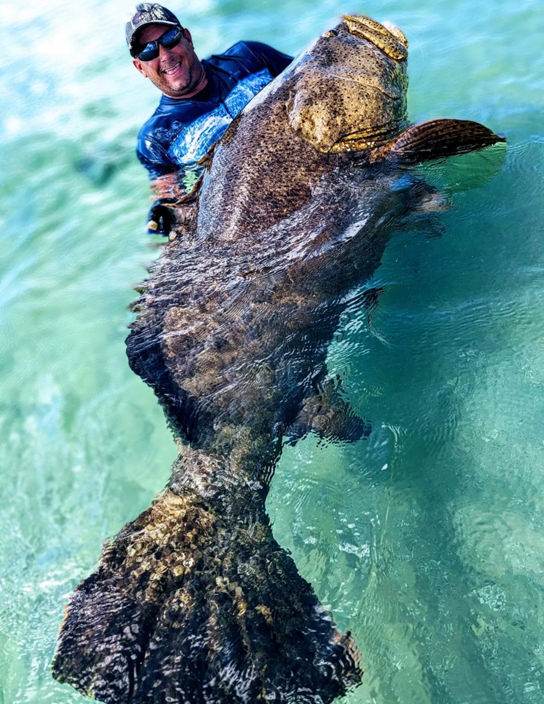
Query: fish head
pixel 348 91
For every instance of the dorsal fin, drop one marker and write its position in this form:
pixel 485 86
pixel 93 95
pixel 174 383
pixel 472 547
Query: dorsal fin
pixel 436 139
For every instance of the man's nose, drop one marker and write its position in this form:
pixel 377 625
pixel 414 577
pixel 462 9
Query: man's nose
pixel 163 51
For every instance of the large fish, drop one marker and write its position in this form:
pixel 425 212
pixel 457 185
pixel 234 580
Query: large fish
pixel 195 601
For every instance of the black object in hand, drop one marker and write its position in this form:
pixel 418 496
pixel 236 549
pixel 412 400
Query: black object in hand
pixel 161 217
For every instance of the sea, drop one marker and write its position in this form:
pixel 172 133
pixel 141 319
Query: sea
pixel 426 539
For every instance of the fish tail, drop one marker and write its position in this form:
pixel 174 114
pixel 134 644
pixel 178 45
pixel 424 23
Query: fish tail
pixel 191 604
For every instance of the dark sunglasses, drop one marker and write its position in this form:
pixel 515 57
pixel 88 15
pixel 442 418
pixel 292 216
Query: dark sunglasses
pixel 168 40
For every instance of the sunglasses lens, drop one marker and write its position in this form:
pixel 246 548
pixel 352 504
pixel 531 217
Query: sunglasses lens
pixel 171 38
pixel 149 52
pixel 168 40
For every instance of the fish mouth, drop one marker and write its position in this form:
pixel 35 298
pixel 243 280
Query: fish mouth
pixel 386 37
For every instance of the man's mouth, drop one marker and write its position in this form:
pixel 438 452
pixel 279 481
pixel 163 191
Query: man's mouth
pixel 171 69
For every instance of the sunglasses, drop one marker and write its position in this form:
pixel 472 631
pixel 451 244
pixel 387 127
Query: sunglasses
pixel 168 40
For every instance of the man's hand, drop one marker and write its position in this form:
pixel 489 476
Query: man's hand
pixel 161 218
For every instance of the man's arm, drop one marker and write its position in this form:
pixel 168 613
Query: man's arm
pixel 164 183
pixel 167 186
pixel 173 206
pixel 275 61
pixel 164 192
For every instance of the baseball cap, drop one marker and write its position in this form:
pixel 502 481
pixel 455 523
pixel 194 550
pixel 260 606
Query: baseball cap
pixel 147 13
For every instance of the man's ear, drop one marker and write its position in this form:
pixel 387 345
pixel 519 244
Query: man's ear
pixel 187 36
pixel 139 67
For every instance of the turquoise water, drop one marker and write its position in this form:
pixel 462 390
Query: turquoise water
pixel 427 539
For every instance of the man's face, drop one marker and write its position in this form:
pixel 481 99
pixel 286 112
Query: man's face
pixel 177 72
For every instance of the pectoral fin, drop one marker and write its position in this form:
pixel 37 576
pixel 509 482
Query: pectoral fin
pixel 329 415
pixel 437 139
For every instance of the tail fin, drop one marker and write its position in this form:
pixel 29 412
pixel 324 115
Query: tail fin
pixel 190 606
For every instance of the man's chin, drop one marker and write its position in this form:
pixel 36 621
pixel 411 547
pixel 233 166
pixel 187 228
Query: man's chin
pixel 180 90
pixel 175 89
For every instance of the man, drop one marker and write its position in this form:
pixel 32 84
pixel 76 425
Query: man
pixel 199 100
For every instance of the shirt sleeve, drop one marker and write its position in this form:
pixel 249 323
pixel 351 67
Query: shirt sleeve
pixel 272 59
pixel 154 157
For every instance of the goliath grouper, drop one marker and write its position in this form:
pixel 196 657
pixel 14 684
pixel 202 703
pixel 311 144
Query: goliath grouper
pixel 195 602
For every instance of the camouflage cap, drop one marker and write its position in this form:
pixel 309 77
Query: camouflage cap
pixel 147 13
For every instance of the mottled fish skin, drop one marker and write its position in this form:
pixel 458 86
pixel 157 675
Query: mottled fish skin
pixel 194 601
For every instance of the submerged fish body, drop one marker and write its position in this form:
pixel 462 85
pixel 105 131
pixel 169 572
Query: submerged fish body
pixel 195 601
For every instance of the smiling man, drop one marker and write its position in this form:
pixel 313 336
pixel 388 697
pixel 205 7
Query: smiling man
pixel 199 100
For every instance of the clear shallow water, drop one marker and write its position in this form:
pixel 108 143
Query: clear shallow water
pixel 426 540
